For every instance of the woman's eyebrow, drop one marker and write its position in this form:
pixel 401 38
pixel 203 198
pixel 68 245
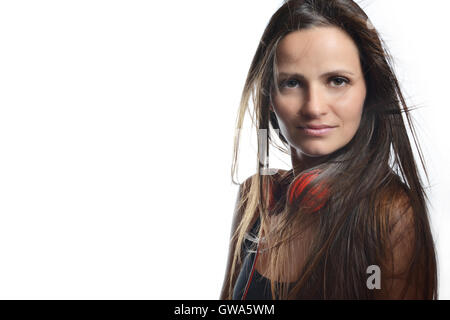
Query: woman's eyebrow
pixel 326 74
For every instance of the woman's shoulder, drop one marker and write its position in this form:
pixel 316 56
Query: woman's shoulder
pixel 397 190
pixel 398 200
pixel 276 174
pixel 275 178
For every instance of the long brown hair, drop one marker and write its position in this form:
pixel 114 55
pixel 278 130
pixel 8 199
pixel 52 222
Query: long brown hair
pixel 376 205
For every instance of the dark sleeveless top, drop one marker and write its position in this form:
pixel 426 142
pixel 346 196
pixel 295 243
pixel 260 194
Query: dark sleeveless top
pixel 260 286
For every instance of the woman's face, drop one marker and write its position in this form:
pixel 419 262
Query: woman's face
pixel 320 84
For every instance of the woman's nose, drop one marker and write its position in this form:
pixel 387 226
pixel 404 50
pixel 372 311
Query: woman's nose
pixel 314 104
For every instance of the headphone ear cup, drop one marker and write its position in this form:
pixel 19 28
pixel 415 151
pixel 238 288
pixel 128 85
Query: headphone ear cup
pixel 316 197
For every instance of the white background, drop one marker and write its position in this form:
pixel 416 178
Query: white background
pixel 116 131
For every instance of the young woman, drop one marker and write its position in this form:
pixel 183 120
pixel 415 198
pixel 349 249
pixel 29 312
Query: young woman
pixel 349 220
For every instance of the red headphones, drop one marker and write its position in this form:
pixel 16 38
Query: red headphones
pixel 311 199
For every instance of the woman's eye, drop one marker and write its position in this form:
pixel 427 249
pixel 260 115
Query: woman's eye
pixel 291 83
pixel 339 82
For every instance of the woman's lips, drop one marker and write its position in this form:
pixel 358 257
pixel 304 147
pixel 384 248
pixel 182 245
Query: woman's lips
pixel 316 132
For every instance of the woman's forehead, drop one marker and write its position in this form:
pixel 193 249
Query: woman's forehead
pixel 317 45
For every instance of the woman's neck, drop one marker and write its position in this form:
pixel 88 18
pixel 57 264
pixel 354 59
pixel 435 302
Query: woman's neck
pixel 302 162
